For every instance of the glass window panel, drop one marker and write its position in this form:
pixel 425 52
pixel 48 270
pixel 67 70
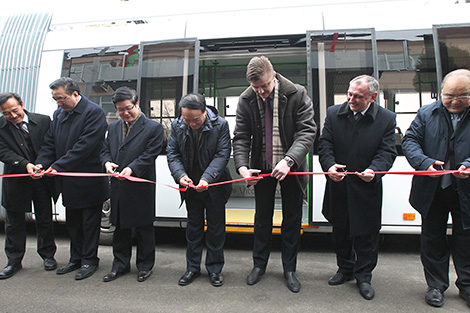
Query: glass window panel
pixel 100 71
pixel 454 46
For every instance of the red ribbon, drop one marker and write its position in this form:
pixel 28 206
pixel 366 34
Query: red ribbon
pixel 142 180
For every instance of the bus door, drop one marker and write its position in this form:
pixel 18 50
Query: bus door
pixel 334 57
pixel 168 70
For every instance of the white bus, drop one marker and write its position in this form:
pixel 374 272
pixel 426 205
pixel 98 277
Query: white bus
pixel 408 45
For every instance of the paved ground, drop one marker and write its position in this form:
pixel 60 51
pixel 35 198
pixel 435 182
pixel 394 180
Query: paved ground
pixel 398 281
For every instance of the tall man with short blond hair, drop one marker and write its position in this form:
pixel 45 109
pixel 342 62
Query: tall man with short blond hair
pixel 274 132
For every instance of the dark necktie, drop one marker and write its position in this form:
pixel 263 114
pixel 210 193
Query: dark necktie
pixel 24 130
pixel 268 125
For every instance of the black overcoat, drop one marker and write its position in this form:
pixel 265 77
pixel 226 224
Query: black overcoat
pixel 367 143
pixel 17 193
pixel 133 201
pixel 73 144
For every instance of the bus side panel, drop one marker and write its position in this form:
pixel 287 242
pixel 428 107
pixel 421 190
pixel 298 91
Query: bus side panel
pixel 51 69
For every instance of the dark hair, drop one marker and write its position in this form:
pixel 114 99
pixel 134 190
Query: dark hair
pixel 193 101
pixel 67 83
pixel 125 93
pixel 7 95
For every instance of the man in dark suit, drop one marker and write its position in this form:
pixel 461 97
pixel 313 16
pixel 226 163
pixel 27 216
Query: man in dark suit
pixel 439 138
pixel 130 148
pixel 198 152
pixel 358 136
pixel 73 144
pixel 21 135
pixel 274 132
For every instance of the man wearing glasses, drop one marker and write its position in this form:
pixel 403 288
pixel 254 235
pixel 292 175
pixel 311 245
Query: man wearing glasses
pixel 130 148
pixel 73 144
pixel 438 138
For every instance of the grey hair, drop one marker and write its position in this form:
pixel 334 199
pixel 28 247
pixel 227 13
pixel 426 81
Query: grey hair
pixel 366 79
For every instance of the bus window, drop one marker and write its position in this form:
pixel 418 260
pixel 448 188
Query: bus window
pixel 406 75
pixel 100 71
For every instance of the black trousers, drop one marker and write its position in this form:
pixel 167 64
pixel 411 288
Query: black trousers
pixel 292 198
pixel 436 246
pixel 200 207
pixel 15 227
pixel 122 248
pixel 83 226
pixel 357 255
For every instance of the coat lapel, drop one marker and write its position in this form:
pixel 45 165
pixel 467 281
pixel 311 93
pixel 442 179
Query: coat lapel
pixel 136 129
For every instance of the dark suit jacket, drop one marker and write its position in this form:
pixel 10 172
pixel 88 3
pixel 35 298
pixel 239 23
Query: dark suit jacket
pixel 17 193
pixel 430 138
pixel 73 144
pixel 367 143
pixel 133 201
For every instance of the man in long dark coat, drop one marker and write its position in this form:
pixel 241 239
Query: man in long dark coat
pixel 130 148
pixel 358 136
pixel 73 144
pixel 21 135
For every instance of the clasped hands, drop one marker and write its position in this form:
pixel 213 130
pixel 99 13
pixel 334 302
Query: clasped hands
pixel 37 170
pixel 279 172
pixel 463 173
pixel 338 175
pixel 203 185
pixel 111 169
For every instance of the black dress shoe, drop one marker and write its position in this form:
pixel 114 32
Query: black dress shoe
pixel 339 279
pixel 466 296
pixel 9 271
pixel 50 264
pixel 112 276
pixel 188 278
pixel 434 297
pixel 292 281
pixel 69 267
pixel 366 290
pixel 255 275
pixel 216 279
pixel 86 271
pixel 143 275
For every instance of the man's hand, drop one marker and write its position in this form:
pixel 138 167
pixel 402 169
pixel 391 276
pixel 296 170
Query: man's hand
pixel 338 174
pixel 245 173
pixel 431 168
pixel 202 186
pixel 33 169
pixel 39 173
pixel 281 170
pixel 464 174
pixel 110 167
pixel 367 176
pixel 127 171
pixel 185 181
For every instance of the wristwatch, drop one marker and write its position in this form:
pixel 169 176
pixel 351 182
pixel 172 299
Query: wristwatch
pixel 289 161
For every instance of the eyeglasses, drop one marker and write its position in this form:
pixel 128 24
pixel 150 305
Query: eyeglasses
pixel 61 100
pixel 450 97
pixel 127 108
